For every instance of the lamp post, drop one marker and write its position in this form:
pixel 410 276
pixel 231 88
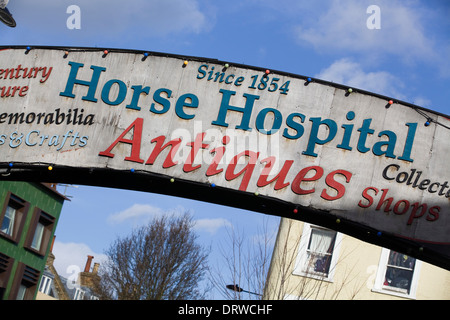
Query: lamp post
pixel 235 287
pixel 5 15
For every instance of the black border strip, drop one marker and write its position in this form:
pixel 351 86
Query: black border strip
pixel 141 180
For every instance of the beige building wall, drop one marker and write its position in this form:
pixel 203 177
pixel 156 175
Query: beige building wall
pixel 356 271
pixel 43 296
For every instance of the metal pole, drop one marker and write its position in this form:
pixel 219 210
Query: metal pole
pixel 236 288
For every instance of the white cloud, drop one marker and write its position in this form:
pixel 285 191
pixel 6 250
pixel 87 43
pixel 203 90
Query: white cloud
pixel 423 102
pixel 342 26
pixel 142 213
pixel 115 18
pixel 70 258
pixel 348 72
pixel 211 225
pixel 135 212
pixel 139 214
pixel 158 17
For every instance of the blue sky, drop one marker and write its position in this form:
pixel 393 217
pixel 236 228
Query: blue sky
pixel 406 58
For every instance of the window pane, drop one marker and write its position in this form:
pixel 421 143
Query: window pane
pixel 79 294
pixel 37 239
pixel 320 250
pixel 8 221
pixel 399 271
pixel 21 293
pixel 42 286
pixel 401 260
pixel 321 241
pixel 45 285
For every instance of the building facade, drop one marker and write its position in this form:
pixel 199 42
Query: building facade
pixel 55 287
pixel 28 218
pixel 311 262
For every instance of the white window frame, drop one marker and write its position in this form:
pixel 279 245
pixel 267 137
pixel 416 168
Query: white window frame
pixel 79 294
pixel 299 268
pixel 37 238
pixel 10 214
pixel 46 283
pixel 22 292
pixel 381 273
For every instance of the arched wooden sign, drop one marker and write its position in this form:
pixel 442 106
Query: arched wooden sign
pixel 264 140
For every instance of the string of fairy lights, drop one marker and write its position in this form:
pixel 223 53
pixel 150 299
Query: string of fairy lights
pixel 390 102
pixel 308 80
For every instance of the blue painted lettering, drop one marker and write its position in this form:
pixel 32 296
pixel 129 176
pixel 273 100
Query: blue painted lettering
pixel 72 80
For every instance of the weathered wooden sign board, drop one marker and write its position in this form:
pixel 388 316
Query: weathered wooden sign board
pixel 278 143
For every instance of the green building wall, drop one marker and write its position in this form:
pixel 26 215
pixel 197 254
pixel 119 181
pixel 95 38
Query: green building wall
pixel 42 197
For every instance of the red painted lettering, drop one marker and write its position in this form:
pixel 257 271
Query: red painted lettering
pixel 398 205
pixel 218 154
pixel 416 207
pixel 367 197
pixel 159 147
pixel 196 145
pixel 247 170
pixel 135 142
pixel 10 91
pixel 383 200
pixel 300 177
pixel 434 211
pixel 331 182
pixel 280 184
